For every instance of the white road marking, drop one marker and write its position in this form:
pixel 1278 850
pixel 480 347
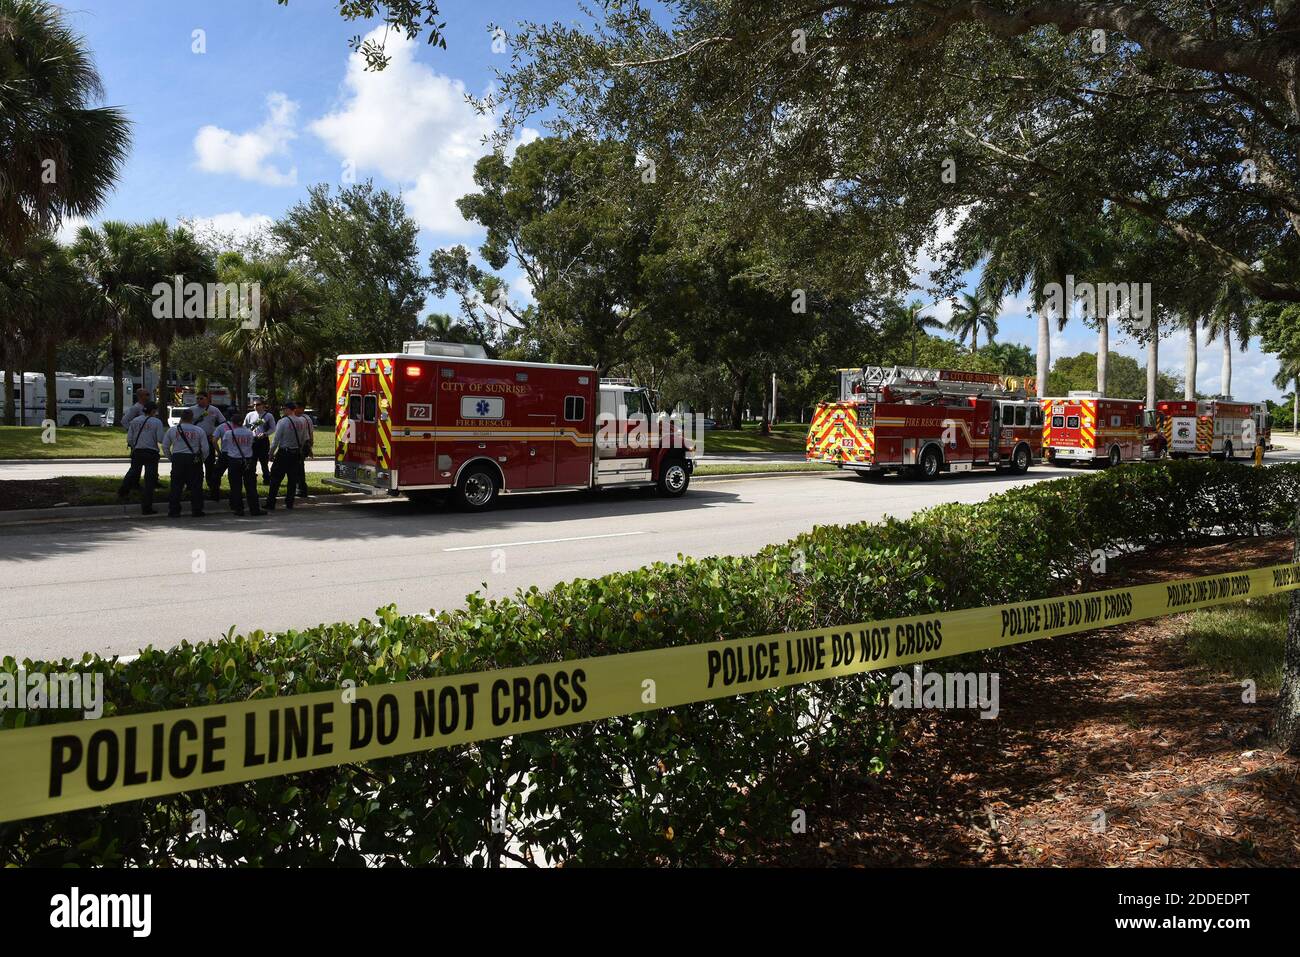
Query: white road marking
pixel 541 541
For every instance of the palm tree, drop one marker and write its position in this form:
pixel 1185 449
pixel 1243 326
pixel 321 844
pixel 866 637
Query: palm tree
pixel 62 155
pixel 172 252
pixel 1193 327
pixel 911 320
pixel 1231 313
pixel 117 259
pixel 285 335
pixel 1039 253
pixel 1288 373
pixel 52 309
pixel 975 311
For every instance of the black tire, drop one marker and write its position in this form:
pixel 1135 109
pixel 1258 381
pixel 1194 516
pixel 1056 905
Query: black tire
pixel 674 478
pixel 79 421
pixel 1227 451
pixel 931 463
pixel 1113 459
pixel 1020 460
pixel 477 489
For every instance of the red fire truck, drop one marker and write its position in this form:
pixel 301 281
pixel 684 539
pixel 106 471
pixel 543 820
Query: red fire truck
pixel 927 421
pixel 1088 428
pixel 1220 428
pixel 442 418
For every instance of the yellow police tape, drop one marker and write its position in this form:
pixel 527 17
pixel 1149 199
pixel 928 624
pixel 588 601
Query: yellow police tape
pixel 61 767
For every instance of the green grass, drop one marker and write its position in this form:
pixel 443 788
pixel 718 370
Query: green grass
pixel 742 469
pixel 24 442
pixel 1241 641
pixel 102 490
pixel 785 437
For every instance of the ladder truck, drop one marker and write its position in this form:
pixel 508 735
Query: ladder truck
pixel 927 421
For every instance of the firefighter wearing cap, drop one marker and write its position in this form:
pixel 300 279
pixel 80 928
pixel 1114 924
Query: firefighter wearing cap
pixel 240 460
pixel 207 417
pixel 187 447
pixel 262 422
pixel 292 433
pixel 143 436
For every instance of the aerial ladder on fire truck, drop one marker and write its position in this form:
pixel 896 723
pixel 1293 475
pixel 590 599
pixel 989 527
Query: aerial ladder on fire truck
pixel 913 383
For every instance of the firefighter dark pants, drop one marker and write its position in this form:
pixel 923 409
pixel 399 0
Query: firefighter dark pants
pixel 302 483
pixel 212 470
pixel 187 473
pixel 288 468
pixel 262 456
pixel 243 482
pixel 142 460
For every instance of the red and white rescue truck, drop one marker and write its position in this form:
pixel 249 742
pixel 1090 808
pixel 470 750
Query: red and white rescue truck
pixel 1220 427
pixel 442 418
pixel 927 421
pixel 1088 428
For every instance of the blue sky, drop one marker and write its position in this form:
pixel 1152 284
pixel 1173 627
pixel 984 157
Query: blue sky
pixel 235 134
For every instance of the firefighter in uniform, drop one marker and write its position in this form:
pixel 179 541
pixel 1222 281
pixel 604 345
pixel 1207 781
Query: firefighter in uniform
pixel 291 434
pixel 137 410
pixel 187 447
pixel 237 453
pixel 207 417
pixel 143 436
pixel 306 453
pixel 262 423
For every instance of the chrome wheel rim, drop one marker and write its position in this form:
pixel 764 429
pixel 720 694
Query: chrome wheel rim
pixel 675 478
pixel 478 489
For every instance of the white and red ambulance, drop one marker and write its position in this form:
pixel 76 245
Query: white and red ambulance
pixel 442 418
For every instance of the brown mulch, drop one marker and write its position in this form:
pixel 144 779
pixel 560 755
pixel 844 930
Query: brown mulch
pixel 1114 722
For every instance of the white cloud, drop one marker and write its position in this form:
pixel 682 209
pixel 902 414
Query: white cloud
pixel 247 155
pixel 413 126
pixel 237 224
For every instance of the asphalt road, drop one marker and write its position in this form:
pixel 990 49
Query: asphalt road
pixel 113 586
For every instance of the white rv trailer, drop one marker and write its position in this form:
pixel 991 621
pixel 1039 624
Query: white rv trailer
pixel 82 400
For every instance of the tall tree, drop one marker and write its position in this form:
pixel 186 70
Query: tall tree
pixel 972 312
pixel 118 260
pixel 1192 327
pixel 285 336
pixel 894 112
pixel 1230 315
pixel 174 255
pixel 55 308
pixel 914 321
pixel 575 216
pixel 61 152
pixel 361 246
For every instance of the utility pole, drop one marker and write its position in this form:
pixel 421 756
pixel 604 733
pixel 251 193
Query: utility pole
pixel 774 398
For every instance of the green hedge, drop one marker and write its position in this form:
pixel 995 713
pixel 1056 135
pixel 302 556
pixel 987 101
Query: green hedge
pixel 696 784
